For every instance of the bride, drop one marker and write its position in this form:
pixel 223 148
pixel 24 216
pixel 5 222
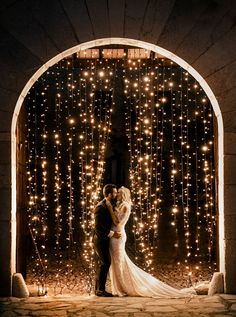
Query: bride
pixel 126 278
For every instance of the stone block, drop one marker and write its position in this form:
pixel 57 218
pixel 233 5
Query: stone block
pixel 230 200
pixel 5 256
pixel 133 18
pixel 229 120
pixel 216 284
pixel 116 17
pixel 226 99
pixel 12 82
pixel 5 203
pixel 5 150
pixel 5 136
pixel 222 78
pixel 48 21
pixel 228 297
pixel 230 264
pixel 197 40
pixel 8 313
pixel 230 142
pixel 82 26
pixel 22 64
pixel 230 169
pixel 230 227
pixel 174 33
pixel 51 16
pixel 7 105
pixel 93 22
pixel 19 288
pixel 233 307
pixel 5 176
pixel 154 20
pixel 220 60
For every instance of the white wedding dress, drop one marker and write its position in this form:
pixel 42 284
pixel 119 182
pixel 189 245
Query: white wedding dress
pixel 126 278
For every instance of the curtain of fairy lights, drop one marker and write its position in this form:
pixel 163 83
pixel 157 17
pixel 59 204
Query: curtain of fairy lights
pixel 169 125
pixel 69 119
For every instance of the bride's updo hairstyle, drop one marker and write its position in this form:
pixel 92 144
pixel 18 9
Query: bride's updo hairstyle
pixel 125 194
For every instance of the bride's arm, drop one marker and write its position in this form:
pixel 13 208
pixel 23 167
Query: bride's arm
pixel 113 216
pixel 125 214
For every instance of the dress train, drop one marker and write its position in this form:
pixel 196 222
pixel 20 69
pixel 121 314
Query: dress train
pixel 127 279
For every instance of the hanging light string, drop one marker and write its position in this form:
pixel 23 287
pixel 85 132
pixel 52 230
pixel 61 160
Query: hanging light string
pixel 99 114
pixel 156 155
pixel 58 182
pixel 130 116
pixel 161 105
pixel 44 191
pixel 197 208
pixel 182 142
pixel 152 188
pixel 142 148
pixel 173 161
pixel 86 172
pixel 159 137
pixel 37 192
pixel 142 86
pixel 213 224
pixel 207 156
pixel 70 136
pixel 129 90
pixel 84 78
pixel 188 176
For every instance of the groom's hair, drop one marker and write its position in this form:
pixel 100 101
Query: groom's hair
pixel 108 189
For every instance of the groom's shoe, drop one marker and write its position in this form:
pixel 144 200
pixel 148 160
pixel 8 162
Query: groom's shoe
pixel 103 294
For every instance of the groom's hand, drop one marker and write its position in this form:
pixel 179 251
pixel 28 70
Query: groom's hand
pixel 117 235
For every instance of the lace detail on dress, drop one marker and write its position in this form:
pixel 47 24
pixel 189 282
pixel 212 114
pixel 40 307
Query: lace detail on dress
pixel 126 277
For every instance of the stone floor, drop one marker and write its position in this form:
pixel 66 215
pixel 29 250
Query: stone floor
pixel 91 306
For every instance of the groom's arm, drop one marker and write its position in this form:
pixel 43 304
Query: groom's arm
pixel 100 220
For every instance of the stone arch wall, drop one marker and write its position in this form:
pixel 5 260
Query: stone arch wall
pixel 201 32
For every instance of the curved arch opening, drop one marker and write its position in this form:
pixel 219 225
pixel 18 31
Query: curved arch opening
pixel 151 47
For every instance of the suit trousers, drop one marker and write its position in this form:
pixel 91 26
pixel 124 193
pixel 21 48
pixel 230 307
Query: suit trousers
pixel 101 247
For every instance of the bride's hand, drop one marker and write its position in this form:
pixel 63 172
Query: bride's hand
pixel 115 219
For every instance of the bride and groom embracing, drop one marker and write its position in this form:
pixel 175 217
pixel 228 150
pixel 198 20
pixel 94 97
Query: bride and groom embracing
pixel 110 217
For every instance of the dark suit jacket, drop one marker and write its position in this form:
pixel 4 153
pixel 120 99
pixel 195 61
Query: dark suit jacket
pixel 103 221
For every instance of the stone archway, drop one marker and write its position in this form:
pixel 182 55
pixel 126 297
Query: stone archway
pixel 145 45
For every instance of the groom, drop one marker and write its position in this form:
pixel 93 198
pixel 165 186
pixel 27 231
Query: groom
pixel 101 238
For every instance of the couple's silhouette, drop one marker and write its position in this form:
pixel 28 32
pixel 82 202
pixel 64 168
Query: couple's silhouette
pixel 111 215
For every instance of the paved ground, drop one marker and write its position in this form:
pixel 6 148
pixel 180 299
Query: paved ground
pixel 91 306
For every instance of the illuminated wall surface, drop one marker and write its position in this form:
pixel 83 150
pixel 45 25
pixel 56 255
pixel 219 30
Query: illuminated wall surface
pixel 139 121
